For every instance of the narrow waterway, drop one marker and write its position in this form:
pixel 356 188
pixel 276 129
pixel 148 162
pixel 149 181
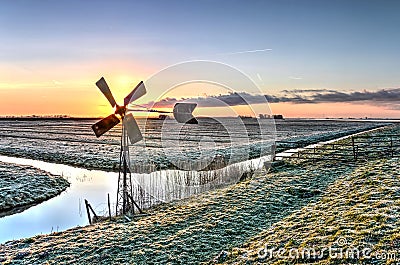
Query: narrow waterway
pixel 64 211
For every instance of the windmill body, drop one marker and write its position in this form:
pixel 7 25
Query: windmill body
pixel 131 134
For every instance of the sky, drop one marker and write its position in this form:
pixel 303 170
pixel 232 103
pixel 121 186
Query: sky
pixel 309 58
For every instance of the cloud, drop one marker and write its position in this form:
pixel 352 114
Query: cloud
pixel 383 95
pixel 297 96
pixel 232 53
pixel 391 95
pixel 247 51
pixel 294 91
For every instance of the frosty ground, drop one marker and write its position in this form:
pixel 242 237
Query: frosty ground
pixel 358 216
pixel 73 142
pixel 297 205
pixel 23 186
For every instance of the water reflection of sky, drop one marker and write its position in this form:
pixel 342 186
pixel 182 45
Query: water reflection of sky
pixel 64 211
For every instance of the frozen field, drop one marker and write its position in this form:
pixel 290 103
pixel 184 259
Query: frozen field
pixel 73 142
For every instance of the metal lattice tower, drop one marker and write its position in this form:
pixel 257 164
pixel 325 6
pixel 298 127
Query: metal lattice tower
pixel 125 203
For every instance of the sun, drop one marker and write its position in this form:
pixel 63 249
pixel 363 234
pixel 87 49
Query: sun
pixel 124 81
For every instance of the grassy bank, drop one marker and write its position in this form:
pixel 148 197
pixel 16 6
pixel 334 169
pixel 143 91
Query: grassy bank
pixel 23 186
pixel 360 210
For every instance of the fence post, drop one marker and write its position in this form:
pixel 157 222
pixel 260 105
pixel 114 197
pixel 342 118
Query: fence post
pixel 391 145
pixel 273 149
pixel 314 154
pixel 109 206
pixel 354 149
pixel 356 152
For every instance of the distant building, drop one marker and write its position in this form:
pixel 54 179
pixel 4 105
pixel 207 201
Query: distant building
pixel 264 116
pixel 278 117
pixel 244 117
pixel 160 117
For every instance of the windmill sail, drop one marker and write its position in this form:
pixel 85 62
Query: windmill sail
pixel 102 85
pixel 138 92
pixel 105 125
pixel 132 128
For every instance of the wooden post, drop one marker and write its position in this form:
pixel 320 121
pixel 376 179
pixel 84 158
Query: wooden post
pixel 94 214
pixel 109 206
pixel 391 145
pixel 356 152
pixel 137 206
pixel 354 149
pixel 87 211
pixel 273 149
pixel 313 155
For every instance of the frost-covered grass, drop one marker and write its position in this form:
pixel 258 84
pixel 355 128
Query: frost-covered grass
pixel 24 186
pixel 73 142
pixel 360 210
pixel 298 203
pixel 302 141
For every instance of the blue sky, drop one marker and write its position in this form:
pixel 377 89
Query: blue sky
pixel 344 45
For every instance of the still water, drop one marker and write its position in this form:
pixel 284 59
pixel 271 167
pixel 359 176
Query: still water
pixel 67 209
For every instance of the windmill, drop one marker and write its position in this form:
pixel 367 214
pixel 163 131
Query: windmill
pixel 130 132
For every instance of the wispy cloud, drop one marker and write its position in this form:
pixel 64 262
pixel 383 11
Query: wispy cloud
pixel 259 78
pixel 295 77
pixel 295 91
pixel 247 51
pixel 230 53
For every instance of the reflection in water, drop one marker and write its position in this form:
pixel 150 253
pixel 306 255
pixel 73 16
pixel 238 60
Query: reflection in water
pixel 168 185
